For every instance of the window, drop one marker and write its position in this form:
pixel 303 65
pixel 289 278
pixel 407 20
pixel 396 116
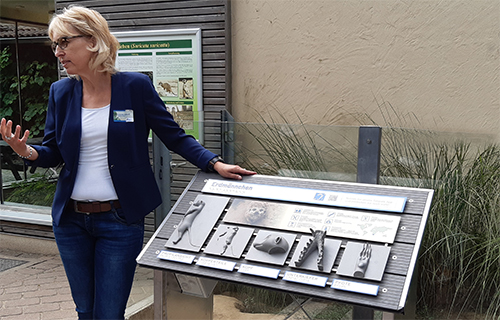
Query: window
pixel 27 69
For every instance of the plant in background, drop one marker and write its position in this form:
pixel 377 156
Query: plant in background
pixel 7 98
pixel 39 190
pixel 459 269
pixel 34 82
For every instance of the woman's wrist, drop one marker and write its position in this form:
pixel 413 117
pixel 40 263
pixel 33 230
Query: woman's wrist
pixel 213 162
pixel 217 165
pixel 29 153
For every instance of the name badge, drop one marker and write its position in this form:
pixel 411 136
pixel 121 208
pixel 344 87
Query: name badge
pixel 123 116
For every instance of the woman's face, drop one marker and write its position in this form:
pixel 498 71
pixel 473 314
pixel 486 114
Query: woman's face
pixel 75 57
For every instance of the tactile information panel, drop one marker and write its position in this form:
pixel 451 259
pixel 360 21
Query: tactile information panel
pixel 349 242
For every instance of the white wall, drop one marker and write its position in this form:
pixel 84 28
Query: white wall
pixel 335 61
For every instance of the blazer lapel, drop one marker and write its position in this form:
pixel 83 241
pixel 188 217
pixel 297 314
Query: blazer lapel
pixel 72 128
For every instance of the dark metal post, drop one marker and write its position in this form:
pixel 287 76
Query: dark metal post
pixel 362 313
pixel 161 168
pixel 227 132
pixel 369 145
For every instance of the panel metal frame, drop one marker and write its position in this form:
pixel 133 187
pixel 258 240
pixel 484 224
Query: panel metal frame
pixel 397 275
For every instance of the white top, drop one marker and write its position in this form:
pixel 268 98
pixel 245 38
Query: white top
pixel 93 180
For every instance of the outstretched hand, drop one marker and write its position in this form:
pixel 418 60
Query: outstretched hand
pixel 14 140
pixel 231 171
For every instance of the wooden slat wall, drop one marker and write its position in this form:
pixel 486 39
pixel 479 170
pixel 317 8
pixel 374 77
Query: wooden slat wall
pixel 213 18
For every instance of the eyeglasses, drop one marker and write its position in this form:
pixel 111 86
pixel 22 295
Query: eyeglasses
pixel 63 42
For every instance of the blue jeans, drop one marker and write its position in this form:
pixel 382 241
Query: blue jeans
pixel 98 252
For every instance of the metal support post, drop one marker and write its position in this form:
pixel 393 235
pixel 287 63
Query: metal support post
pixel 176 305
pixel 369 149
pixel 161 168
pixel 369 145
pixel 158 294
pixel 227 133
pixel 362 313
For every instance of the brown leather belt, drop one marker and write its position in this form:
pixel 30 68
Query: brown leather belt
pixel 95 206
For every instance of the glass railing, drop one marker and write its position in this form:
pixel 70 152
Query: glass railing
pixel 409 157
pixel 314 152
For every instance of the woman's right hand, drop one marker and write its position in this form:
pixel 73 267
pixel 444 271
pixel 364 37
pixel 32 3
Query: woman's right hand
pixel 14 140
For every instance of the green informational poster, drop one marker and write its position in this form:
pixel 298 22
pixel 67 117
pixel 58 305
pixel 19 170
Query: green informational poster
pixel 172 59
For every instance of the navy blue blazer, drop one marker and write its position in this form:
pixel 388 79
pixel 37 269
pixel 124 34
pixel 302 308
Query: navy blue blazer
pixel 128 155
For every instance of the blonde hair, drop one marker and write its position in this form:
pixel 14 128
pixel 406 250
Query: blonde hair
pixel 90 23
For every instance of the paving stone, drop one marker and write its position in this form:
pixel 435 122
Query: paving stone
pixel 57 298
pixel 5 312
pixel 38 281
pixel 10 296
pixel 22 302
pixel 25 271
pixel 40 293
pixel 48 275
pixel 32 316
pixel 45 307
pixel 67 305
pixel 57 284
pixel 13 283
pixel 64 290
pixel 22 289
pixel 60 314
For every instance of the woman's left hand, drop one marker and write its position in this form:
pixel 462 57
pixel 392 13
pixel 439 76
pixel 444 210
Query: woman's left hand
pixel 14 140
pixel 231 171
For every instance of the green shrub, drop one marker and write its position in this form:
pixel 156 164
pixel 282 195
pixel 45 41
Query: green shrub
pixel 34 82
pixel 459 260
pixel 38 191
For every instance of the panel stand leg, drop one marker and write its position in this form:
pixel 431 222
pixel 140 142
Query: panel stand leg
pixel 362 313
pixel 158 294
pixel 171 304
pixel 300 305
pixel 411 301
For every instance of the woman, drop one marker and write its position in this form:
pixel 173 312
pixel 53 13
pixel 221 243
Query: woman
pixel 98 122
